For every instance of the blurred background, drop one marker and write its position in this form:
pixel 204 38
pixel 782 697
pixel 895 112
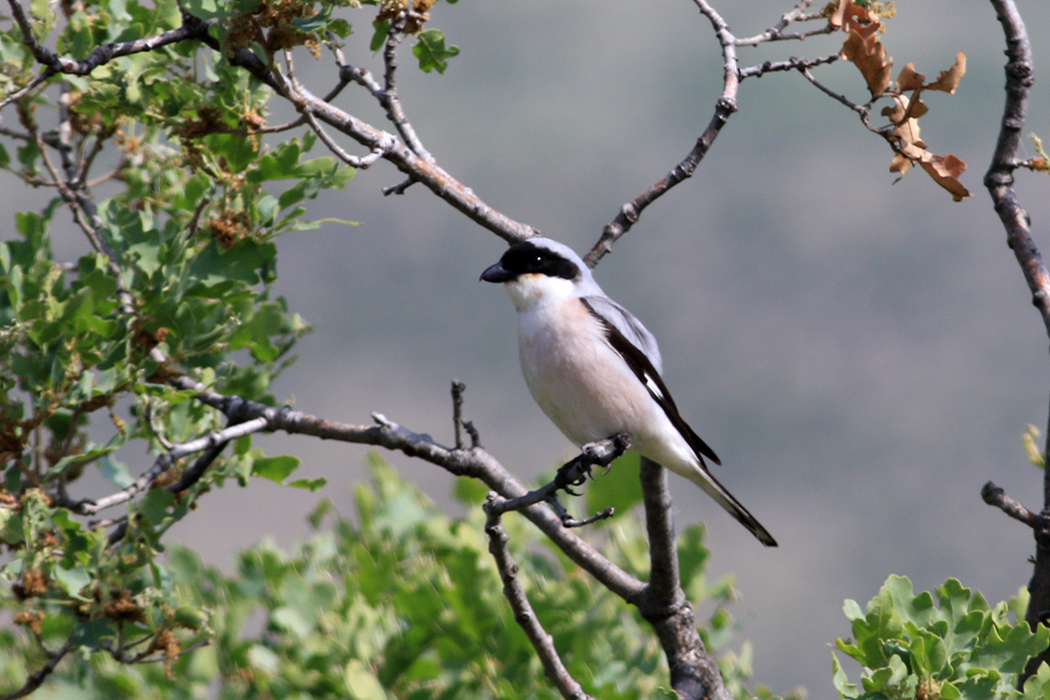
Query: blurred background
pixel 862 355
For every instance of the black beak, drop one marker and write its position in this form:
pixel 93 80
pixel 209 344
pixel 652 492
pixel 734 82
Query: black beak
pixel 497 273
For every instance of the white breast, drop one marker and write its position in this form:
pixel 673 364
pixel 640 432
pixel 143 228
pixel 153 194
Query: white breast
pixel 581 383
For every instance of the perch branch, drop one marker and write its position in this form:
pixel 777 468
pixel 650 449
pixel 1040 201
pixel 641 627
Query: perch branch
pixel 572 473
pixel 694 672
pixel 473 462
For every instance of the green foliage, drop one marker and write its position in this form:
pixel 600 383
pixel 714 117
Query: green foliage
pixel 406 603
pixel 912 646
pixel 431 51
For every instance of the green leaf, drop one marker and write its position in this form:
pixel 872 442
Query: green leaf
pixel 116 472
pixel 276 469
pixel 379 36
pixel 154 507
pixel 431 51
pixel 309 484
pixel 73 580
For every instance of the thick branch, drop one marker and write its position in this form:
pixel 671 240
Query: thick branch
pixel 999 181
pixel 999 178
pixel 694 672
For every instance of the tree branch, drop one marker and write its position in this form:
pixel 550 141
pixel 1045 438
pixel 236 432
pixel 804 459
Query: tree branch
pixel 473 462
pixel 167 460
pixel 999 181
pixel 694 672
pixel 724 108
pixel 573 473
pixel 525 616
pixel 192 28
pixel 36 679
pixel 995 496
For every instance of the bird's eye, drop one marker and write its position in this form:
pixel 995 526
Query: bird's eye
pixel 536 262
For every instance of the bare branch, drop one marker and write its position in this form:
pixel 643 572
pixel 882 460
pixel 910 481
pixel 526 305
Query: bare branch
pixel 474 462
pixel 862 110
pixel 361 162
pixel 995 496
pixel 458 388
pixel 776 33
pixel 167 460
pixel 792 63
pixel 694 672
pixel 525 616
pixel 724 107
pixel 192 28
pixel 572 473
pixel 36 82
pixel 999 178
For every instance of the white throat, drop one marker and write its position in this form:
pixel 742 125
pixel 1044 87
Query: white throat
pixel 530 291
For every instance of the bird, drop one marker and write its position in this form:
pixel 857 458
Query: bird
pixel 595 370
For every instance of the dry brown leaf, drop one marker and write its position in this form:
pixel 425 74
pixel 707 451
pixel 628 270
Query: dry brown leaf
pixel 949 79
pixel 909 79
pixel 907 125
pixel 900 164
pixel 945 170
pixel 838 17
pixel 863 48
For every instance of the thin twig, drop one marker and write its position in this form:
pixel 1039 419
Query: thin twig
pixel 792 63
pixel 457 411
pixel 167 460
pixel 44 76
pixel 776 33
pixel 362 162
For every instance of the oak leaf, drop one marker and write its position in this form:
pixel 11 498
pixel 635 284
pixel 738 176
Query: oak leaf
pixel 949 79
pixel 945 170
pixel 863 48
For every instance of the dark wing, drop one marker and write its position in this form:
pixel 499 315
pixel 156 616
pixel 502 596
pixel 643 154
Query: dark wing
pixel 630 327
pixel 650 377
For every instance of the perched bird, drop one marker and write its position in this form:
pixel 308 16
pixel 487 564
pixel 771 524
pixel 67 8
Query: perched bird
pixel 594 369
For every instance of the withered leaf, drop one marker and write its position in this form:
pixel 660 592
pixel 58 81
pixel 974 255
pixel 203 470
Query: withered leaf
pixel 864 50
pixel 900 164
pixel 945 170
pixel 838 17
pixel 909 79
pixel 949 79
pixel 871 59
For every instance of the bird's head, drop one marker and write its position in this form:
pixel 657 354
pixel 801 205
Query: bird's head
pixel 540 270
